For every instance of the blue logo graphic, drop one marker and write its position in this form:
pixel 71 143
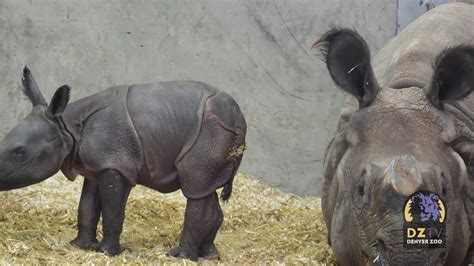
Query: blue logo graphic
pixel 424 207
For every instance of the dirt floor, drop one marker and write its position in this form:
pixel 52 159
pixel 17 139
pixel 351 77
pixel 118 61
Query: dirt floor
pixel 262 225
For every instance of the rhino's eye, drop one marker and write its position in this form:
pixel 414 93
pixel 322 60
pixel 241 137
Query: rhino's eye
pixel 360 190
pixel 19 154
pixel 361 185
pixel 444 190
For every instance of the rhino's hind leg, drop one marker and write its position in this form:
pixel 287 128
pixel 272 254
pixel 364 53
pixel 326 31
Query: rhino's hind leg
pixel 114 191
pixel 88 215
pixel 210 163
pixel 202 220
pixel 207 249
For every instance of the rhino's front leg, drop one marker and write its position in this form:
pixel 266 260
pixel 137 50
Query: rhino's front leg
pixel 88 215
pixel 202 220
pixel 114 190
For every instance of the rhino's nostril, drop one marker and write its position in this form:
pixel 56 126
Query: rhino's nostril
pixel 365 256
pixel 382 241
pixel 381 244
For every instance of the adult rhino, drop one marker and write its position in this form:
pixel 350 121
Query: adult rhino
pixel 407 126
pixel 166 136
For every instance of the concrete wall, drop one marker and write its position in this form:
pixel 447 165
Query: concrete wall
pixel 409 10
pixel 258 51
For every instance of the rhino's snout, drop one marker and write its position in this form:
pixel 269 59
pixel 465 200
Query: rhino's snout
pixel 389 249
pixel 404 175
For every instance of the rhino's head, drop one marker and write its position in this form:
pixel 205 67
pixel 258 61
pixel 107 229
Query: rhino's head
pixel 394 143
pixel 35 149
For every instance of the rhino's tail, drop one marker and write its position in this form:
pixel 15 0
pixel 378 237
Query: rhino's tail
pixel 227 190
pixel 237 152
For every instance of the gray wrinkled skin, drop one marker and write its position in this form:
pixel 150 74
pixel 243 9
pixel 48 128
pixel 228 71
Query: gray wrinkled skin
pixel 401 118
pixel 166 136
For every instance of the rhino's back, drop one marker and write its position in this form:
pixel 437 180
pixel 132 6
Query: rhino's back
pixel 167 118
pixel 408 58
pixel 139 130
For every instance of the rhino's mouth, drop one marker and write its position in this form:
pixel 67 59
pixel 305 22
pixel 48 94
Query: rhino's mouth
pixel 9 181
pixel 381 257
pixel 5 176
pixel 374 257
pixel 6 186
pixel 15 183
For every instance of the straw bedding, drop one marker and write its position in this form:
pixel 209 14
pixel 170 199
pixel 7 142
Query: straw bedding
pixel 261 225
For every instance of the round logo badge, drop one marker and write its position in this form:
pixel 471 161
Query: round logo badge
pixel 424 206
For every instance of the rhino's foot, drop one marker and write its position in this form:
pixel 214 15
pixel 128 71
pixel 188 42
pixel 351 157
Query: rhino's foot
pixel 469 258
pixel 185 253
pixel 110 249
pixel 84 243
pixel 208 252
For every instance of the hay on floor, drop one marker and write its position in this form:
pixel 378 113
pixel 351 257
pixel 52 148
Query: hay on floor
pixel 261 225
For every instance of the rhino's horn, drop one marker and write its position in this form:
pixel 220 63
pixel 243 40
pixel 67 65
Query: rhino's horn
pixel 403 174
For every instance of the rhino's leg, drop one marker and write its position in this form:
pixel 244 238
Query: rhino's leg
pixel 202 219
pixel 469 259
pixel 114 190
pixel 208 250
pixel 88 215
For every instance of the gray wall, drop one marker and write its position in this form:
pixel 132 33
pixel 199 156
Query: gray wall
pixel 258 51
pixel 409 10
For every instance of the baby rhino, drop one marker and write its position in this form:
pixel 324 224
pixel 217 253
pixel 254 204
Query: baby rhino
pixel 166 136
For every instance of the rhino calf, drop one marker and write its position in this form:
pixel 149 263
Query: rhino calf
pixel 166 136
pixel 407 126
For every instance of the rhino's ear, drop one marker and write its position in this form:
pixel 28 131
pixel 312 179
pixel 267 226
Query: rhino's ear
pixel 453 77
pixel 59 101
pixel 347 57
pixel 30 88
